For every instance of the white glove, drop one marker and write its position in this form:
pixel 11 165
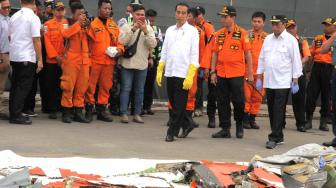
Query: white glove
pixel 111 51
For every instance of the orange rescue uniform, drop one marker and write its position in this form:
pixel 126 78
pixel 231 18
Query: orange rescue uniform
pixel 76 67
pixel 208 30
pixel 230 47
pixel 53 39
pixel 253 98
pixel 102 36
pixel 315 50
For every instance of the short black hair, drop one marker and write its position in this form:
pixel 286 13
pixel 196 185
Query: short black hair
pixel 151 13
pixel 194 12
pixel 201 10
pixel 76 6
pixel 38 3
pixel 74 1
pixel 138 7
pixel 259 14
pixel 182 4
pixel 100 2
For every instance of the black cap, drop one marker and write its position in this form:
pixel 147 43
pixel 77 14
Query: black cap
pixel 290 23
pixel 228 11
pixel 279 18
pixel 200 9
pixel 329 21
pixel 136 2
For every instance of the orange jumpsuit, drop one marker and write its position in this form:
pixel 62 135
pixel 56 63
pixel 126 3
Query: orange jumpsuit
pixel 76 67
pixel 53 39
pixel 253 98
pixel 192 92
pixel 102 36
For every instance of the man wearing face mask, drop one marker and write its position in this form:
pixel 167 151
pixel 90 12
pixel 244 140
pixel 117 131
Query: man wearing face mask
pixel 280 65
pixel 104 33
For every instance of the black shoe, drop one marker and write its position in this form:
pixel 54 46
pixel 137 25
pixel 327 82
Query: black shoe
pixel 301 129
pixel 212 123
pixel 271 145
pixel 52 115
pixel 29 113
pixel 150 112
pixel 222 134
pixel 21 120
pixel 102 114
pixel 239 130
pixel 309 123
pixel 246 121
pixel 194 124
pixel 79 116
pixel 253 123
pixel 329 144
pixel 169 138
pixel 89 112
pixel 323 125
pixel 247 125
pixel 186 132
pixel 67 115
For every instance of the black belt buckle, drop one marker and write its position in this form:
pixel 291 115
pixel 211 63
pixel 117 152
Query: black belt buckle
pixel 25 63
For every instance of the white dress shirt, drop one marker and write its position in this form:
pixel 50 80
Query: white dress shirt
pixel 4 34
pixel 180 49
pixel 280 61
pixel 24 26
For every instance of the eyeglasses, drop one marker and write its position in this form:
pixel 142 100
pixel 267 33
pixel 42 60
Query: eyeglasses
pixel 6 8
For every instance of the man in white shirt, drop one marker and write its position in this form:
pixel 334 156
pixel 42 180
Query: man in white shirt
pixel 280 63
pixel 25 46
pixel 4 53
pixel 179 58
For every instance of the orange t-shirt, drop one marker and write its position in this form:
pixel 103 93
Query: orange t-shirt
pixel 231 47
pixel 256 41
pixel 103 36
pixel 315 50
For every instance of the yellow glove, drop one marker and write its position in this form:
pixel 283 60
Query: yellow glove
pixel 188 81
pixel 159 72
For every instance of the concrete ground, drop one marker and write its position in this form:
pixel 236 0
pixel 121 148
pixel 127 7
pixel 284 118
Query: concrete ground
pixel 51 138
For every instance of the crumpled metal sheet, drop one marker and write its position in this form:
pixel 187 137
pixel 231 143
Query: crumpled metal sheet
pixel 16 179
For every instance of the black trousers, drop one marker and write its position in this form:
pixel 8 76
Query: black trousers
pixel 178 98
pixel 230 90
pixel 199 93
pixel 298 102
pixel 53 93
pixel 212 100
pixel 276 103
pixel 319 83
pixel 149 87
pixel 21 84
pixel 333 89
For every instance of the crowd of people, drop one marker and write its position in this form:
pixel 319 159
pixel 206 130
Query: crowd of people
pixel 87 65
